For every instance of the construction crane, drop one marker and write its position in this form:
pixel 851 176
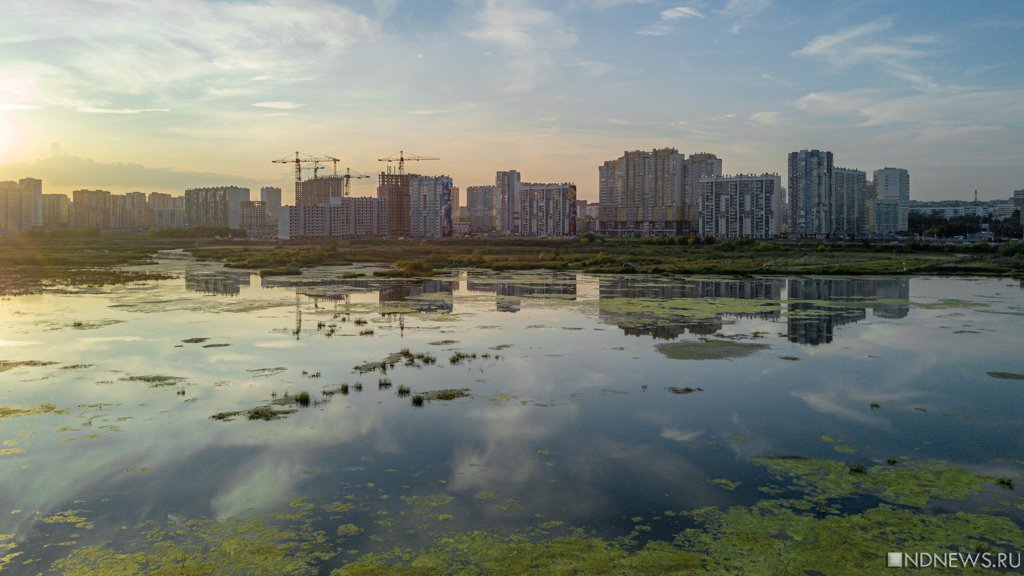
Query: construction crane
pixel 301 159
pixel 349 175
pixel 401 158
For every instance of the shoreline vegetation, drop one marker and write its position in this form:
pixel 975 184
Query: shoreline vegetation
pixel 36 260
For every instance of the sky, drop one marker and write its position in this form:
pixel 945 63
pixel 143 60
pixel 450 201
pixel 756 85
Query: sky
pixel 165 95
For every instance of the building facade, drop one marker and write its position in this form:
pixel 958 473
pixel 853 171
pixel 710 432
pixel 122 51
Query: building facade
pixel 893 184
pixel 849 203
pixel 318 190
pixel 91 209
pixel 742 206
pixel 342 217
pixel 56 211
pixel 480 204
pixel 810 193
pixel 430 206
pixel 506 203
pixel 393 189
pixel 21 205
pixel 645 193
pixel 547 210
pixel 271 198
pixel 218 207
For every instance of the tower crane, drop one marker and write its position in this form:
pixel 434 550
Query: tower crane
pixel 401 157
pixel 301 159
pixel 349 175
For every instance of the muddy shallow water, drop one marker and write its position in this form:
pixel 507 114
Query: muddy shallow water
pixel 481 400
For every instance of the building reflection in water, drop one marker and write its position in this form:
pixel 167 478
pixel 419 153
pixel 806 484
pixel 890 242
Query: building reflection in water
pixel 669 327
pixel 509 293
pixel 220 281
pixel 817 306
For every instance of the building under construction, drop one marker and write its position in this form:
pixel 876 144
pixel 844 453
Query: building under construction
pixel 393 189
pixel 319 190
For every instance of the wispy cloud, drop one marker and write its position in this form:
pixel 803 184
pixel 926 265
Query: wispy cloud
pixel 279 105
pixel 865 43
pixel 4 107
pixel 426 112
pixel 96 110
pixel 744 11
pixel 765 118
pixel 667 18
pixel 528 35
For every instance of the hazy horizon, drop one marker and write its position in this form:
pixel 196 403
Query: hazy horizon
pixel 164 95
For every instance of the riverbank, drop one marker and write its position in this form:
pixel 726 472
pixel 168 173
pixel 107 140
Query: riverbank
pixel 29 262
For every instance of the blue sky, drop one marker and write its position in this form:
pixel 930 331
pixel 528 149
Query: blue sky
pixel 164 94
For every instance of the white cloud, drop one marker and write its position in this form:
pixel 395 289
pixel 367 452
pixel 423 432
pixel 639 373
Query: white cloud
pixel 528 35
pixel 766 118
pixel 96 110
pixel 665 26
pixel 279 105
pixel 744 11
pixel 856 44
pixel 681 13
pixel 426 112
pixel 6 107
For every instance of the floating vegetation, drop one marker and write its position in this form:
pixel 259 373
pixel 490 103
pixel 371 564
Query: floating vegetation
pixel 215 345
pixel 367 332
pixel 404 356
pixel 685 390
pixel 235 547
pixel 458 357
pixel 383 384
pixel 790 358
pixel 267 413
pixel 444 342
pixel 194 340
pixel 358 387
pixel 155 380
pixel 94 324
pixel 76 366
pixel 1006 375
pixel 403 391
pixel 446 394
pixel 265 372
pixel 417 400
pixel 6 365
pixel 914 483
pixel 725 483
pixel 227 416
pixel 709 349
pixel 30 410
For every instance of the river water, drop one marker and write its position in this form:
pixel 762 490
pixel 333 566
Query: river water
pixel 600 403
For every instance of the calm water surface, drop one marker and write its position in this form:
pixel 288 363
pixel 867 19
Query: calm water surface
pixel 570 417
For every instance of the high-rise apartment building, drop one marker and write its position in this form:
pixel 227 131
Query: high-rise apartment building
pixel 271 198
pixel 506 203
pixel 166 211
pixel 21 205
pixel 547 209
pixel 318 190
pixel 742 206
pixel 480 204
pixel 252 217
pixel 643 194
pixel 697 167
pixel 217 207
pixel 893 184
pixel 342 217
pixel 849 203
pixel 393 189
pixel 430 206
pixel 56 211
pixel 810 193
pixel 91 209
pixel 136 211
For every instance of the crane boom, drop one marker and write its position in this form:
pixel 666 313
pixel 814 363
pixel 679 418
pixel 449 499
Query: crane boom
pixel 301 159
pixel 349 175
pixel 401 158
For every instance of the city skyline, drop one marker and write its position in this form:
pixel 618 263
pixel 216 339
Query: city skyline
pixel 174 95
